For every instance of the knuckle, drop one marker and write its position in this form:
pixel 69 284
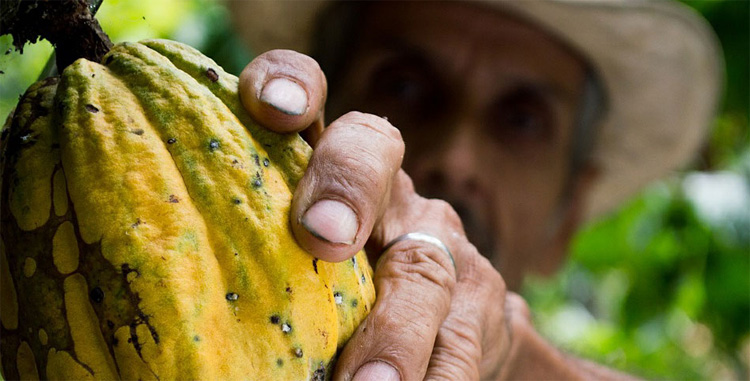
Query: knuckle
pixel 380 126
pixel 482 275
pixel 419 264
pixel 406 184
pixel 464 336
pixel 491 280
pixel 458 351
pixel 403 318
pixel 518 305
pixel 361 170
pixel 359 179
pixel 444 211
pixel 444 367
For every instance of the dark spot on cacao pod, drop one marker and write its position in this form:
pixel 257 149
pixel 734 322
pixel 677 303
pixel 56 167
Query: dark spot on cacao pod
pixel 315 265
pixel 138 131
pixel 236 201
pixel 266 162
pixel 93 75
pixel 298 352
pixel 96 295
pixel 213 145
pixel 354 261
pixel 364 280
pixel 236 254
pixel 279 362
pixel 173 199
pixel 171 140
pixel 110 324
pixel 275 319
pixel 108 60
pixel 91 108
pixel 286 328
pixel 232 296
pixel 355 302
pixel 257 180
pixel 196 338
pixel 136 223
pixel 257 159
pixel 212 75
pixel 289 290
pixel 319 374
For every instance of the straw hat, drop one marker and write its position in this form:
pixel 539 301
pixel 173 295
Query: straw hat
pixel 660 63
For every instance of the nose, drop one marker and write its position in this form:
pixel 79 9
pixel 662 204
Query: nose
pixel 452 169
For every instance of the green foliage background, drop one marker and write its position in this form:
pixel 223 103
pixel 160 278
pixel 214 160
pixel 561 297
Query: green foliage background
pixel 658 288
pixel 661 288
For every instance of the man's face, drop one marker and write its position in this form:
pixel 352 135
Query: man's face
pixel 486 105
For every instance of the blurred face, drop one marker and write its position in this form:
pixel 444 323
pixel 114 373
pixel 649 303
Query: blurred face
pixel 486 105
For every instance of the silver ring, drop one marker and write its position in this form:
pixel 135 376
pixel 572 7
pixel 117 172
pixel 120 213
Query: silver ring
pixel 422 237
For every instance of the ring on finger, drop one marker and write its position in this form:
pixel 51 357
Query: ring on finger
pixel 422 237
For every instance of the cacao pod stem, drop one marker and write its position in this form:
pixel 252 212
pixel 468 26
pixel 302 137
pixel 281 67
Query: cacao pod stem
pixel 68 24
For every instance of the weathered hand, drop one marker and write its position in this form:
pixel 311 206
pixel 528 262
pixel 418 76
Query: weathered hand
pixel 431 319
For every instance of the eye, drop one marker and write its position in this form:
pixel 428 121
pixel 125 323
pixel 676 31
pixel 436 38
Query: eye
pixel 522 116
pixel 402 85
pixel 404 88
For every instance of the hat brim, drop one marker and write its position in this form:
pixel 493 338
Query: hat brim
pixel 660 63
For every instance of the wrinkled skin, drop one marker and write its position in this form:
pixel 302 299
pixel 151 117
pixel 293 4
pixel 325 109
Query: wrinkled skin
pixel 486 110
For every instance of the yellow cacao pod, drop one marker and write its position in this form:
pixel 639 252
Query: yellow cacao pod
pixel 146 235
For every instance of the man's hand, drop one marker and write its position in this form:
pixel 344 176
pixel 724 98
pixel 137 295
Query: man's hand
pixel 431 319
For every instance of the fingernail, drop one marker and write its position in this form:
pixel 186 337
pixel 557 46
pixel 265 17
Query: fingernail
pixel 331 221
pixel 376 371
pixel 285 95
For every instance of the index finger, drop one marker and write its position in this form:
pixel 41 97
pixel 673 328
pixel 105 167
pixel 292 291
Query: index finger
pixel 346 186
pixel 284 91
